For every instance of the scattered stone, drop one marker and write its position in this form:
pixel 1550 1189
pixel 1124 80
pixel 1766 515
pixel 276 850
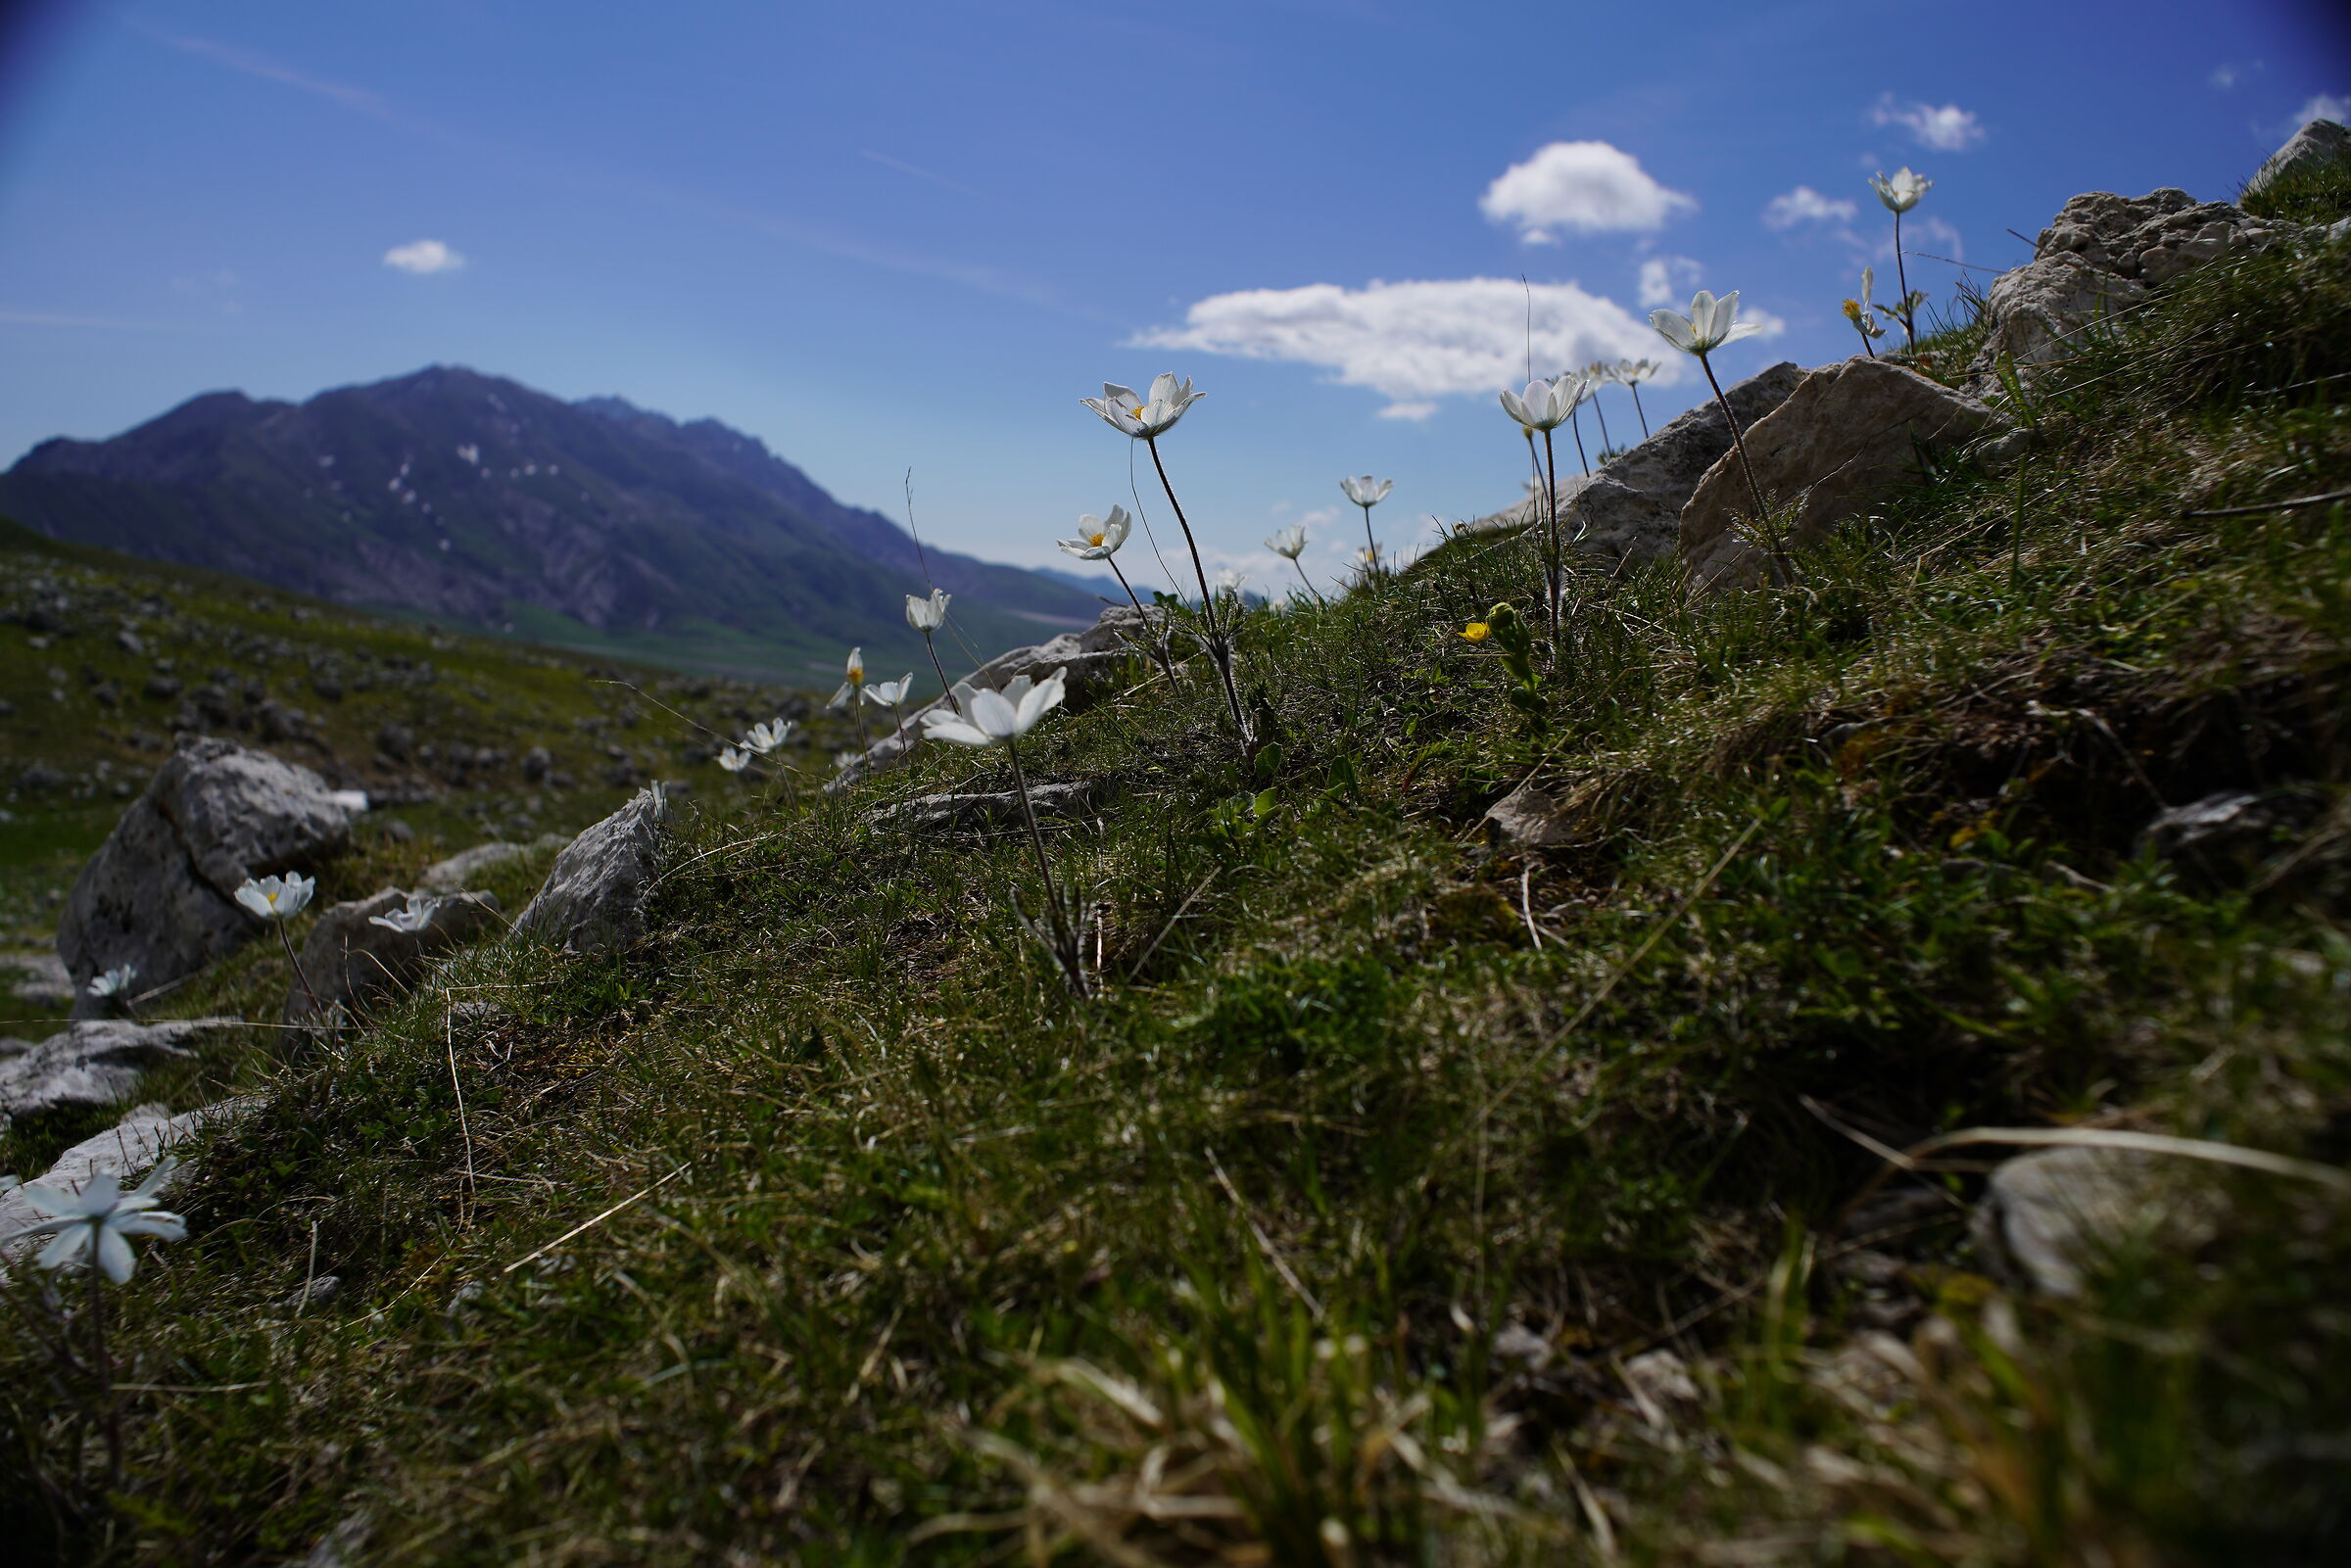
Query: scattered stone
pixel 45 983
pixel 315 1293
pixel 1849 434
pixel 1631 509
pixel 1515 1342
pixel 2224 838
pixel 467 865
pixel 1661 1386
pixel 395 741
pixel 2050 1218
pixel 160 892
pixel 128 1149
pixel 1527 817
pixel 350 960
pixel 949 813
pixel 92 1062
pixel 537 763
pixel 593 899
pixel 2322 144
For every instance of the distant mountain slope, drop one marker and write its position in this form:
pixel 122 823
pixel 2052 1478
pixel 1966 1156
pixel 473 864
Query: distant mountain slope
pixel 476 499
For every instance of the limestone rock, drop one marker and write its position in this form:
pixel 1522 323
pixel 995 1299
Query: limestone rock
pixel 128 1149
pixel 348 960
pixel 1633 506
pixel 161 892
pixel 42 978
pixel 1527 817
pixel 944 813
pixel 1849 434
pixel 2048 1220
pixel 93 1063
pixel 2314 146
pixel 593 897
pixel 448 875
pixel 2046 309
pixel 2220 840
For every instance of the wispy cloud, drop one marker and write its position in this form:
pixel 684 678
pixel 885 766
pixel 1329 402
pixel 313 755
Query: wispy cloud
pixel 1947 129
pixel 1666 279
pixel 1804 205
pixel 267 70
pixel 1589 187
pixel 96 324
pixel 2325 106
pixel 904 167
pixel 423 257
pixel 1415 342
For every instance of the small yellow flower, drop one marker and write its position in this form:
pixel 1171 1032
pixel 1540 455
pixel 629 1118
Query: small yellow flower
pixel 1476 632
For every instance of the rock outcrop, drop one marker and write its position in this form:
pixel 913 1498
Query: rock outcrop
pixel 1631 508
pixel 161 892
pixel 2322 144
pixel 349 961
pixel 594 898
pixel 1849 434
pixel 94 1062
pixel 949 813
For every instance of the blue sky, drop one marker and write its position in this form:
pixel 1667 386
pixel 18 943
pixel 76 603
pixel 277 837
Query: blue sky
pixel 912 235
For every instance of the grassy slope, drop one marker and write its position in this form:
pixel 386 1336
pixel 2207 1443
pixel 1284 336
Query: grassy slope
pixel 924 1253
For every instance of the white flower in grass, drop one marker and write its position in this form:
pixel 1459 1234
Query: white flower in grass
pixel 1632 372
pixel 114 982
pixel 763 738
pixel 1545 404
pixel 1364 491
pixel 733 758
pixel 889 693
pixel 992 718
pixel 856 669
pixel 1902 192
pixel 843 761
pixel 412 920
pixel 1144 416
pixel 1098 538
pixel 1289 542
pixel 277 897
pixel 100 1219
pixel 1229 581
pixel 1710 323
pixel 928 614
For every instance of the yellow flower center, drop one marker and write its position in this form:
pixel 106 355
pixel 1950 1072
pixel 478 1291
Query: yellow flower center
pixel 1097 539
pixel 1476 632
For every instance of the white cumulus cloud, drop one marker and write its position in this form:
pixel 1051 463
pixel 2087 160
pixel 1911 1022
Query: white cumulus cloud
pixel 1415 342
pixel 2325 106
pixel 1585 186
pixel 421 257
pixel 1804 205
pixel 1668 280
pixel 1947 129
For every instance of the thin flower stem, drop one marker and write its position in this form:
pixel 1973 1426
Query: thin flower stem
pixel 1065 949
pixel 857 709
pixel 1371 546
pixel 1902 279
pixel 110 1413
pixel 1576 426
pixel 1303 578
pixel 1602 415
pixel 1219 653
pixel 1779 558
pixel 1635 388
pixel 1551 539
pixel 1159 641
pixel 317 1011
pixel 946 687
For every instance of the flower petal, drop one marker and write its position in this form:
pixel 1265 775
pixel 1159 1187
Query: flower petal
pixel 114 1255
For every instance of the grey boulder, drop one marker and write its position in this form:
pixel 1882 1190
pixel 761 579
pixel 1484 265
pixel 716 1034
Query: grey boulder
pixel 594 895
pixel 349 961
pixel 450 875
pixel 45 982
pixel 1849 434
pixel 2052 1219
pixel 93 1063
pixel 161 892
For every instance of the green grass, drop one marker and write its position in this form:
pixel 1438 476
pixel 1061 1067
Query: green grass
pixel 919 1258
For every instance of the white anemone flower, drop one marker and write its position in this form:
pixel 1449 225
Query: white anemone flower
pixel 1289 542
pixel 114 982
pixel 1632 372
pixel 1144 416
pixel 277 897
pixel 889 693
pixel 1902 192
pixel 1710 323
pixel 1364 491
pixel 855 682
pixel 992 718
pixel 763 738
pixel 1098 538
pixel 412 920
pixel 1545 404
pixel 733 758
pixel 100 1219
pixel 927 615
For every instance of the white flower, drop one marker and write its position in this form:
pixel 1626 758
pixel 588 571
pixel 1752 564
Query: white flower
pixel 1546 404
pixel 855 682
pixel 889 693
pixel 1289 543
pixel 114 982
pixel 1137 416
pixel 349 799
pixel 277 898
pixel 1364 491
pixel 1902 191
pixel 1098 538
pixel 412 920
pixel 1709 325
pixel 99 1217
pixel 843 761
pixel 990 718
pixel 763 738
pixel 1632 372
pixel 733 759
pixel 928 614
